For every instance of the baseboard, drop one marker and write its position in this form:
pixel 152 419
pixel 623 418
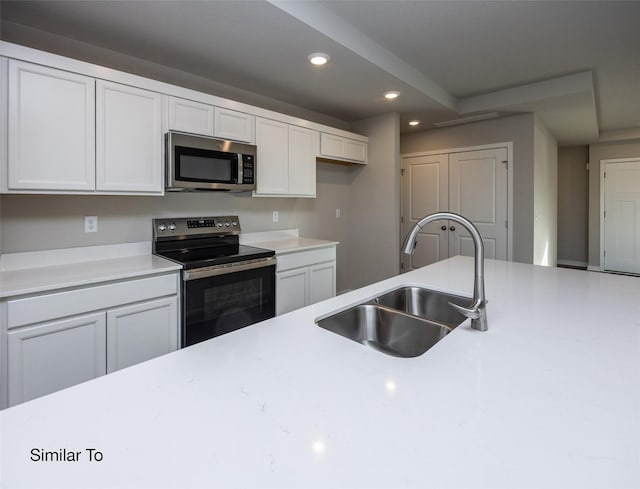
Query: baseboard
pixel 572 264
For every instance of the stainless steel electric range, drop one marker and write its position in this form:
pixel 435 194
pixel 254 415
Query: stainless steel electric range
pixel 225 285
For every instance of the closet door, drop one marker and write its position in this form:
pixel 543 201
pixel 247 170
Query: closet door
pixel 425 191
pixel 478 191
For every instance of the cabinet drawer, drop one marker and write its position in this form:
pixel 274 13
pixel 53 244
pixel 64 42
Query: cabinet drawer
pixel 305 258
pixel 31 310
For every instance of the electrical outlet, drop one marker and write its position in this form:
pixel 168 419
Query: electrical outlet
pixel 90 224
pixel 276 216
pixel 338 213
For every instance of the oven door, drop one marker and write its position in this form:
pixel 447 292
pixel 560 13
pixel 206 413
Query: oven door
pixel 225 298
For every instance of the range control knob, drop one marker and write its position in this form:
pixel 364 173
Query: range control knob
pixel 172 226
pixel 226 224
pixel 234 223
pixel 219 224
pixel 162 227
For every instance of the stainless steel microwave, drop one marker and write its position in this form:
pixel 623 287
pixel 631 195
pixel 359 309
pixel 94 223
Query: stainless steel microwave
pixel 204 163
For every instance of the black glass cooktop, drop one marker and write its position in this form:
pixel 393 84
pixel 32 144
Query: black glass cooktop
pixel 215 255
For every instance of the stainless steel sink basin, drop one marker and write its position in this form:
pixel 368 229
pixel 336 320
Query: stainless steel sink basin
pixel 425 303
pixel 404 322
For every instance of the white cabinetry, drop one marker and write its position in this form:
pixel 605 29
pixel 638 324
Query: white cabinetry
pixel 59 339
pixel 55 355
pixel 207 120
pixel 140 332
pixel 305 277
pixel 190 116
pixel 231 124
pixel 341 148
pixel 286 159
pixel 128 139
pixel 51 129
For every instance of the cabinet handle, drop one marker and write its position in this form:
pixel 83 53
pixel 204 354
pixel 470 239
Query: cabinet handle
pixel 443 227
pixel 452 228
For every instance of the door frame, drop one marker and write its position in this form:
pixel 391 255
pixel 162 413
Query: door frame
pixel 603 168
pixel 509 147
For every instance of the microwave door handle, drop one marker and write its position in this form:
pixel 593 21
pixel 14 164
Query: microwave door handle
pixel 239 166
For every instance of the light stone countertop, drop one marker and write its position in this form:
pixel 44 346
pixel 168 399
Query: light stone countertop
pixel 284 241
pixel 549 397
pixel 38 272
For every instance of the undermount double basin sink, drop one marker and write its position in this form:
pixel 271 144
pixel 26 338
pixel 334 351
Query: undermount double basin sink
pixel 404 322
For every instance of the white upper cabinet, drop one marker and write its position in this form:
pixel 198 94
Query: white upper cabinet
pixel 66 131
pixel 128 139
pixel 231 124
pixel 341 148
pixel 51 125
pixel 189 116
pixel 286 159
pixel 303 149
pixel 272 159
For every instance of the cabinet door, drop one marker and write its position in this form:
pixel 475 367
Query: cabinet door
pixel 331 146
pixel 231 124
pixel 128 139
pixel 55 355
pixel 272 161
pixel 291 290
pixel 51 124
pixel 322 282
pixel 303 149
pixel 140 332
pixel 190 116
pixel 355 150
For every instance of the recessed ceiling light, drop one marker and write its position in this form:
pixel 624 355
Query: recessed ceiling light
pixel 391 95
pixel 318 59
pixel 414 123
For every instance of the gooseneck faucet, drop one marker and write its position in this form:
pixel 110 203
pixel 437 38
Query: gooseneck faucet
pixel 477 310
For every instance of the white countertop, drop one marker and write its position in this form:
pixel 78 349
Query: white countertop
pixel 548 397
pixel 34 272
pixel 284 241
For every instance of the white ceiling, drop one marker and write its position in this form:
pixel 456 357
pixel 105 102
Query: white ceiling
pixel 575 63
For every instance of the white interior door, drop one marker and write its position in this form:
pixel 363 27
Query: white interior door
pixel 478 191
pixel 471 183
pixel 425 191
pixel 622 216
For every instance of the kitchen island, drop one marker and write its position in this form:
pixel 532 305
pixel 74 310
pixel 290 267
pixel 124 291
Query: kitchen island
pixel 548 397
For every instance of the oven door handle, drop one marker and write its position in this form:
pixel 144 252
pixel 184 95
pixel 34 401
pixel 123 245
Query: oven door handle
pixel 228 268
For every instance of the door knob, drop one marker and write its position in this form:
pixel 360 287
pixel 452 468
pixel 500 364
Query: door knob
pixel 443 227
pixel 452 228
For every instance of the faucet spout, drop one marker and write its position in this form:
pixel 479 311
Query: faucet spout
pixel 477 310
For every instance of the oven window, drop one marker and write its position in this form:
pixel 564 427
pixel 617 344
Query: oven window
pixel 226 299
pixel 213 306
pixel 199 165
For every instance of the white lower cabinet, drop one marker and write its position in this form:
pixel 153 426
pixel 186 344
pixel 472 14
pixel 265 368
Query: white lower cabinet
pixel 141 332
pixel 305 277
pixel 59 339
pixel 54 355
pixel 291 290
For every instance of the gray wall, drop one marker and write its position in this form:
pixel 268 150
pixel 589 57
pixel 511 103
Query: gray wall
pixel 374 240
pixel 545 198
pixel 597 152
pixel 518 129
pixel 573 205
